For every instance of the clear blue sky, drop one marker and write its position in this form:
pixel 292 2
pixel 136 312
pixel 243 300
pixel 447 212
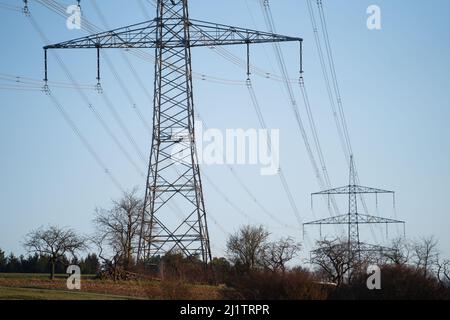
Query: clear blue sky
pixel 395 86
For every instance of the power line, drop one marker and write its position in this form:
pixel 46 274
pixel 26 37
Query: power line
pixel 280 172
pixel 74 127
pixel 9 7
pixel 36 83
pixel 246 189
pixel 340 119
pixel 325 180
pixel 88 103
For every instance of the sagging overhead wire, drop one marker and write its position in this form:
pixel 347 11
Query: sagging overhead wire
pixel 88 103
pixel 263 124
pixel 108 102
pixel 24 82
pixel 332 86
pixel 73 125
pixel 272 216
pixel 10 7
pixel 324 181
pixel 281 174
pixel 343 140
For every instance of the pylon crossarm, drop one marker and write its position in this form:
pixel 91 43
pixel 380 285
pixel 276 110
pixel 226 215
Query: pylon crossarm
pixel 362 247
pixel 140 35
pixel 365 247
pixel 351 189
pixel 204 33
pixel 332 220
pixel 362 219
pixel 367 219
pixel 143 35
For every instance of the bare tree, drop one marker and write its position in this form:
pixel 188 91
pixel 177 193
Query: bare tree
pixel 119 228
pixel 443 272
pixel 334 259
pixel 277 254
pixel 426 255
pixel 246 248
pixel 54 242
pixel 399 253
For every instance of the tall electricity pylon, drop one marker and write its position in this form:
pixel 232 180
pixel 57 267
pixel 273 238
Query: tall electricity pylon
pixel 353 219
pixel 173 171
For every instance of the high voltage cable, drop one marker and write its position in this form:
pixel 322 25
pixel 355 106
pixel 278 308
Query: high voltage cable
pixel 10 7
pixel 72 124
pixel 263 124
pixel 336 87
pixel 280 171
pixel 333 73
pixel 12 88
pixel 112 109
pixel 30 82
pixel 341 123
pixel 248 191
pixel 323 184
pixel 260 116
pixel 114 112
pixel 85 142
pixel 97 115
pixel 336 118
pixel 317 144
pixel 119 79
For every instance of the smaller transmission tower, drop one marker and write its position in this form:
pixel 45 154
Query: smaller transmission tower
pixel 353 219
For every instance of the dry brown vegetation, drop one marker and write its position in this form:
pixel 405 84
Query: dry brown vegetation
pixel 146 289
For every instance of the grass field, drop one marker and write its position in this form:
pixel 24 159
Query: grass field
pixel 12 293
pixel 39 287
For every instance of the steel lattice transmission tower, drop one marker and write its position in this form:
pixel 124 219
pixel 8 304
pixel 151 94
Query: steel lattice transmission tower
pixel 353 219
pixel 173 180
